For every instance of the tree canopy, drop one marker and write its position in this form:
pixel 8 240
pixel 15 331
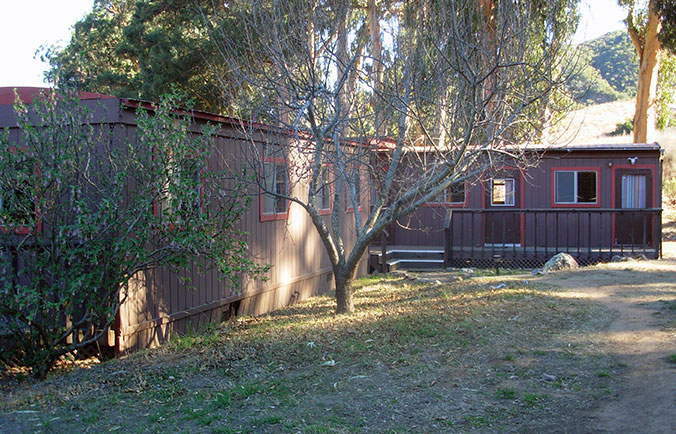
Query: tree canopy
pixel 141 49
pixel 461 80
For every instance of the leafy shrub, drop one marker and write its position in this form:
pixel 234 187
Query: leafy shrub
pixel 81 215
pixel 623 128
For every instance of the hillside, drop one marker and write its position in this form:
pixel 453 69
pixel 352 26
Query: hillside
pixel 593 123
pixel 614 57
pixel 608 72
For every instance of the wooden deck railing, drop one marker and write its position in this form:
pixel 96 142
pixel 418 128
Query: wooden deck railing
pixel 529 237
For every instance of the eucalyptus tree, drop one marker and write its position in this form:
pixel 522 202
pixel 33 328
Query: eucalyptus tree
pixel 652 28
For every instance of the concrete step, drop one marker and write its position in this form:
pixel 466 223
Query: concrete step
pixel 408 259
pixel 415 264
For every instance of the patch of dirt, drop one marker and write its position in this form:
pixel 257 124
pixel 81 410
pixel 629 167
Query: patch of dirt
pixel 642 337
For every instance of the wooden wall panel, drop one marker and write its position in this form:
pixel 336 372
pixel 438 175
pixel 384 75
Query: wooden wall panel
pixel 300 269
pixel 425 227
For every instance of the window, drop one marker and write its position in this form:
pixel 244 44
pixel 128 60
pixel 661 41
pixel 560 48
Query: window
pixel 323 196
pixel 455 193
pixel 572 187
pixel 276 181
pixel 634 192
pixel 356 184
pixel 502 192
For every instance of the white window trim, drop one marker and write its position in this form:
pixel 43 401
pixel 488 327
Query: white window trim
pixel 513 192
pixel 576 172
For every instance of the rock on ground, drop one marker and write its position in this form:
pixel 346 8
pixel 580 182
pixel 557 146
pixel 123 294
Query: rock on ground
pixel 560 261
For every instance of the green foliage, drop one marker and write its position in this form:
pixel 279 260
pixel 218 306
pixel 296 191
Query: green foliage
pixel 139 49
pixel 506 393
pixel 589 87
pixel 82 215
pixel 623 128
pixel 615 59
pixel 667 11
pixel 666 89
pixel 91 59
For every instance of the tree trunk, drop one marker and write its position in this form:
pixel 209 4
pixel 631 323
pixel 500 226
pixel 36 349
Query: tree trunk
pixel 344 291
pixel 644 116
pixel 376 55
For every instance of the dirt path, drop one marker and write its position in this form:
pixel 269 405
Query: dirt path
pixel 643 336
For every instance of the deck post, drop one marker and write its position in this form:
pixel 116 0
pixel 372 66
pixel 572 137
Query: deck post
pixel 546 236
pixel 556 234
pixel 471 238
pixel 462 235
pixel 658 234
pixel 535 234
pixel 644 219
pixel 448 239
pixel 517 223
pixel 383 251
pixel 578 234
pixel 589 237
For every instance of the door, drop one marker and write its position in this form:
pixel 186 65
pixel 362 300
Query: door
pixel 502 226
pixel 633 191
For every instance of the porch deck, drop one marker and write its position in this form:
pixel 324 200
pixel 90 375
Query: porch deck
pixel 527 238
pixel 486 256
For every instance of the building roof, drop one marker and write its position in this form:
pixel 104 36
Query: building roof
pixel 602 147
pixel 27 94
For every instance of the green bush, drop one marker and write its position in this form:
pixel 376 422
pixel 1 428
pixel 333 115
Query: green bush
pixel 623 128
pixel 82 214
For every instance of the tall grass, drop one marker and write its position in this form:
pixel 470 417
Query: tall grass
pixel 667 139
pixel 593 124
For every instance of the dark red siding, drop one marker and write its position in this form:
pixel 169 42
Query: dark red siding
pixel 425 227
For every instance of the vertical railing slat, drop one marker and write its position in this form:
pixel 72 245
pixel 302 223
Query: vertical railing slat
pixel 516 227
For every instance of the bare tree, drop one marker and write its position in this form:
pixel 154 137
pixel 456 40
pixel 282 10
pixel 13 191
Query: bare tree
pixel 432 94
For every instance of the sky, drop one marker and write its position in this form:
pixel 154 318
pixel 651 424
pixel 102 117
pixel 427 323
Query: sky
pixel 30 24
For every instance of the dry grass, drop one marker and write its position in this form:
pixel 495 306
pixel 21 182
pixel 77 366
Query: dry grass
pixel 593 124
pixel 667 139
pixel 461 356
